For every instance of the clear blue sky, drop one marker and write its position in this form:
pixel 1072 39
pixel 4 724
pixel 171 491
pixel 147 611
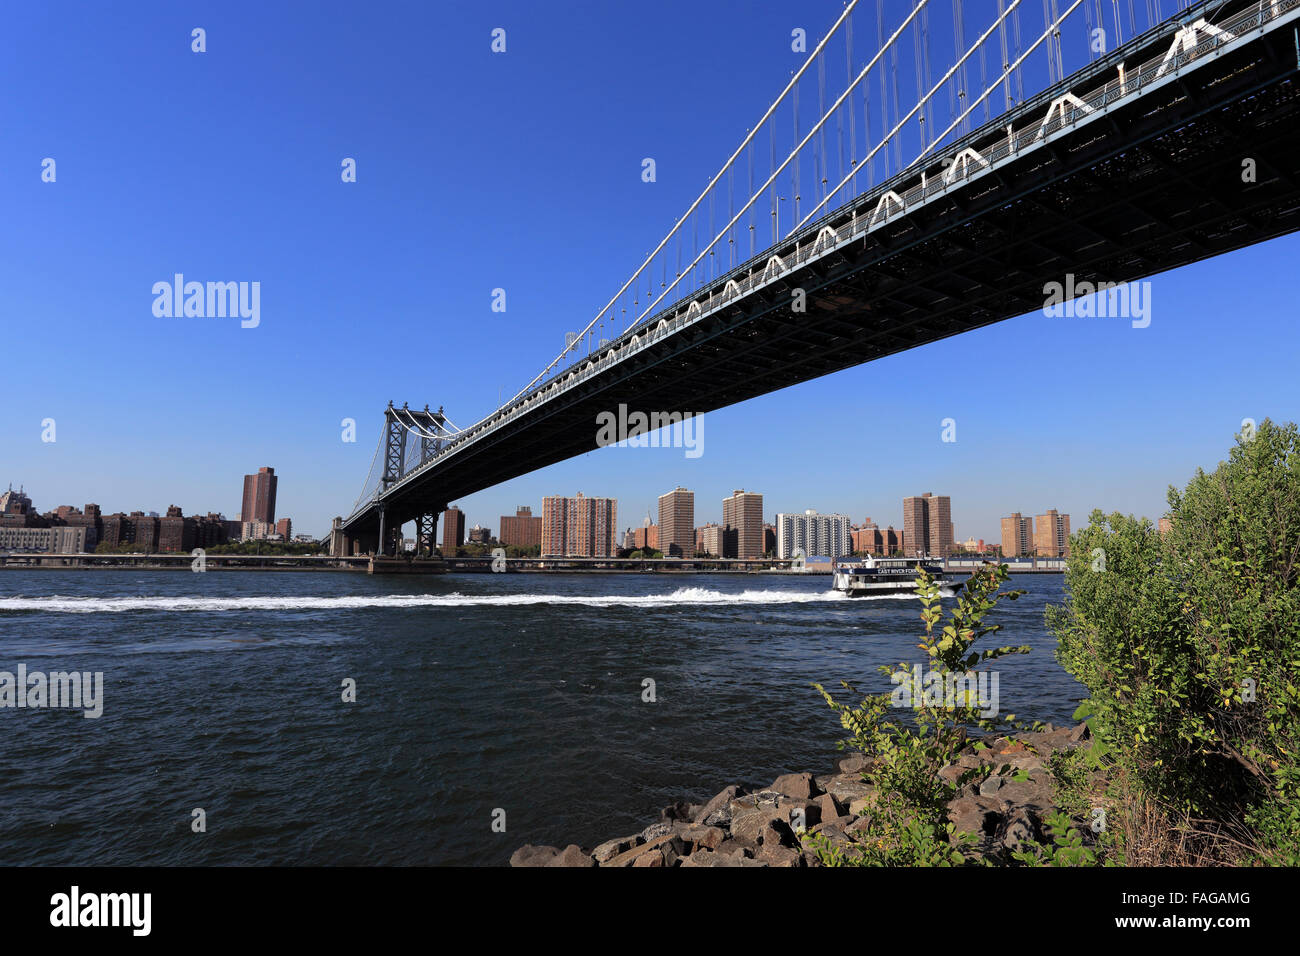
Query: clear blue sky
pixel 522 171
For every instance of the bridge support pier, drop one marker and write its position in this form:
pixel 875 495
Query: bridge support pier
pixel 426 534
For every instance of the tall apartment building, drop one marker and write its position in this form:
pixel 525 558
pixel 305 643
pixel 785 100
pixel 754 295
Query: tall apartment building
pixel 927 525
pixel 579 527
pixel 146 530
pixel 259 496
pixel 742 525
pixel 521 531
pixel 1017 536
pixel 1052 535
pixel 453 531
pixel 677 523
pixel 815 534
pixel 555 524
pixel 284 528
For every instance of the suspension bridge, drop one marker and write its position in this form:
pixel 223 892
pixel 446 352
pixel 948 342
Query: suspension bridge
pixel 972 154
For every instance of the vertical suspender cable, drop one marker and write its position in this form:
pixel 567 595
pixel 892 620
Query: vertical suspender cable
pixel 771 139
pixel 853 114
pixel 797 159
pixel 819 148
pixel 1020 73
pixel 1006 56
pixel 751 194
pixel 917 66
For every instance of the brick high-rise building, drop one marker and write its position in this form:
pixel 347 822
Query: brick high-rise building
pixel 453 531
pixel 284 528
pixel 579 527
pixel 1017 536
pixel 521 531
pixel 927 525
pixel 259 496
pixel 708 540
pixel 145 530
pixel 175 531
pixel 742 525
pixel 555 524
pixel 1052 535
pixel 677 523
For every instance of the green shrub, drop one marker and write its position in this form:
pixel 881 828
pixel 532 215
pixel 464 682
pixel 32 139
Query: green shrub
pixel 1189 644
pixel 908 823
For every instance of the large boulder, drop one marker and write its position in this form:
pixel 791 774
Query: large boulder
pixel 629 857
pixel 612 848
pixel 716 812
pixel 799 786
pixel 530 855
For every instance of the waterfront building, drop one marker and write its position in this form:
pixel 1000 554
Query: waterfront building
pixel 55 540
pixel 479 535
pixel 1052 535
pixel 579 526
pixel 1017 536
pixel 816 535
pixel 927 525
pixel 175 531
pixel 708 540
pixel 284 528
pixel 522 530
pixel 253 530
pixel 259 497
pixel 677 523
pixel 453 531
pixel 144 531
pixel 742 525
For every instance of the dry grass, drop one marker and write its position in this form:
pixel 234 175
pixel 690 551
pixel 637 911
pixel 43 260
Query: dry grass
pixel 1152 835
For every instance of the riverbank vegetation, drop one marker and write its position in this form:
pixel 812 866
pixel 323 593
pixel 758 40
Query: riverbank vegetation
pixel 1188 645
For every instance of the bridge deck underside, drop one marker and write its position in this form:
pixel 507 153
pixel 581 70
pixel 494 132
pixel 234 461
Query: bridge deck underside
pixel 1151 186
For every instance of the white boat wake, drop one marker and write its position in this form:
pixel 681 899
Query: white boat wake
pixel 694 597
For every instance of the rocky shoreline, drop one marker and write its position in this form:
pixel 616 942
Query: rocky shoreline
pixel 738 827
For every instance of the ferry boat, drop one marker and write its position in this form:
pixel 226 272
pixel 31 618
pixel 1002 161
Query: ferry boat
pixel 871 576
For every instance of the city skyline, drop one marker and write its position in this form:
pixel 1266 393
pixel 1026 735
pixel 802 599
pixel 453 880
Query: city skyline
pixel 1127 415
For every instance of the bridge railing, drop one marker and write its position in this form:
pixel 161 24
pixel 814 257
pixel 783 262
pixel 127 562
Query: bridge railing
pixel 928 180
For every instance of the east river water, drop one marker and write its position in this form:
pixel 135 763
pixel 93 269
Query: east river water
pixel 223 692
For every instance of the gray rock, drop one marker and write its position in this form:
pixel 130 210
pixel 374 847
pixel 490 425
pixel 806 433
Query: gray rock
pixel 991 785
pixel 656 830
pixel 530 855
pixel 1020 828
pixel 716 812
